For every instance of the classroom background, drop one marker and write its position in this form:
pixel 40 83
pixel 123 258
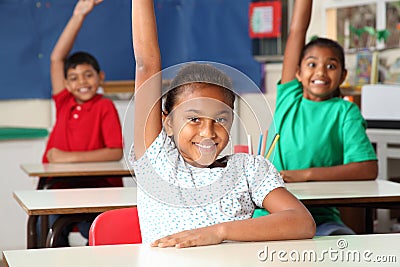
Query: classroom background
pixel 32 29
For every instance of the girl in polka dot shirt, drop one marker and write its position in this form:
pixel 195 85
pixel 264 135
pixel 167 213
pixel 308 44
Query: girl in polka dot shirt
pixel 187 194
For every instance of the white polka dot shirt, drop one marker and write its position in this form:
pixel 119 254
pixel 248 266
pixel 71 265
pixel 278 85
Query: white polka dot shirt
pixel 174 196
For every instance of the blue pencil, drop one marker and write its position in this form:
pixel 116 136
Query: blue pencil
pixel 259 144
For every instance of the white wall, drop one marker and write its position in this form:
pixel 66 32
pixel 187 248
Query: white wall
pixel 13 217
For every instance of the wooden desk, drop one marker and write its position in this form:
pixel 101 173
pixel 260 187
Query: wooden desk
pixel 67 172
pixel 347 193
pixel 71 201
pixel 344 251
pixel 366 194
pixel 112 168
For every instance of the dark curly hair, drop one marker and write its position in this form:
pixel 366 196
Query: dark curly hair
pixel 80 58
pixel 329 43
pixel 200 74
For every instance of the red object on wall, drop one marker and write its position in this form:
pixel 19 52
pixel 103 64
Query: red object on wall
pixel 241 149
pixel 265 19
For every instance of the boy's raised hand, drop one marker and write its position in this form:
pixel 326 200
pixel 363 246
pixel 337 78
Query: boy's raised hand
pixel 83 7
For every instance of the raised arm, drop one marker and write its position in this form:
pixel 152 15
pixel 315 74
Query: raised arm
pixel 296 40
pixel 66 41
pixel 147 117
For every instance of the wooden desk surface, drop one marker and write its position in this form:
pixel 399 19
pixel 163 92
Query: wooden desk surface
pixel 356 250
pixel 346 192
pixel 377 133
pixel 67 201
pixel 70 201
pixel 112 168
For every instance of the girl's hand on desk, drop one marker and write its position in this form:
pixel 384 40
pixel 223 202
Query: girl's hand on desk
pixel 295 176
pixel 190 238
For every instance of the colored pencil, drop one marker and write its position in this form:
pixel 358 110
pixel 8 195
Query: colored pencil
pixel 274 141
pixel 249 144
pixel 264 142
pixel 259 144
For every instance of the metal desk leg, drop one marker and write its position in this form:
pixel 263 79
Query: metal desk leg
pixel 369 220
pixel 32 241
pixel 44 227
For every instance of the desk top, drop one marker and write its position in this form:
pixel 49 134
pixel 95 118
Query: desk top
pixel 377 135
pixel 109 168
pixel 70 201
pixel 346 192
pixel 327 251
pixel 67 201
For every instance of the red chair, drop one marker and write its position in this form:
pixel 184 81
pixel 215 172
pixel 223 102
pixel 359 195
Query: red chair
pixel 120 226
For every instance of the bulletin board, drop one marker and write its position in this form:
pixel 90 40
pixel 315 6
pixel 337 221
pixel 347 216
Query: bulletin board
pixel 265 19
pixel 188 30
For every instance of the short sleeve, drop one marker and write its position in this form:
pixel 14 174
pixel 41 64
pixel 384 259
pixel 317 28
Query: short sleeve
pixel 262 178
pixel 154 150
pixel 62 98
pixel 356 144
pixel 111 126
pixel 288 92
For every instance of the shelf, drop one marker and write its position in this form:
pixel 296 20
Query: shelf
pixel 122 86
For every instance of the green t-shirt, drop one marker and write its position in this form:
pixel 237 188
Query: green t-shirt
pixel 317 134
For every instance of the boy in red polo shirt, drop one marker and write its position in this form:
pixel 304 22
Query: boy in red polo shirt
pixel 87 127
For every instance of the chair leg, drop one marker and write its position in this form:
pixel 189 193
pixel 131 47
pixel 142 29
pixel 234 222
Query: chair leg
pixel 63 221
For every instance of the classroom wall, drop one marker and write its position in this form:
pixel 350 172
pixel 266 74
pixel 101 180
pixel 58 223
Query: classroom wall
pixel 13 217
pixel 34 113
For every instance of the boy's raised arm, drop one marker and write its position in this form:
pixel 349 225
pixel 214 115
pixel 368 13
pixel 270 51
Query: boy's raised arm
pixel 66 41
pixel 147 117
pixel 296 40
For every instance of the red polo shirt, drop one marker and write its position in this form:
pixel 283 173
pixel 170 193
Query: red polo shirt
pixel 83 127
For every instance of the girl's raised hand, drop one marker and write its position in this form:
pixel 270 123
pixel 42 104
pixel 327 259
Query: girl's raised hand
pixel 191 238
pixel 83 7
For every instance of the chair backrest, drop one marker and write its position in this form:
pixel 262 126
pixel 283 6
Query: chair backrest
pixel 120 226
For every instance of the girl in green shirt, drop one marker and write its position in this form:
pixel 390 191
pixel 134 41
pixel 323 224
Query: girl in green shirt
pixel 322 137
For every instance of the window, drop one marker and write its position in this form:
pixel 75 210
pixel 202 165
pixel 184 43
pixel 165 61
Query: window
pixel 270 49
pixel 346 19
pixel 393 24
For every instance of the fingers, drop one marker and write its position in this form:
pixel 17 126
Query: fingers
pixel 167 242
pixel 190 238
pixel 92 2
pixel 177 242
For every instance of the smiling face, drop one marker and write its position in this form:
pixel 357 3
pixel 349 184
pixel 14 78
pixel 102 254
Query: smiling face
pixel 83 82
pixel 320 73
pixel 200 123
